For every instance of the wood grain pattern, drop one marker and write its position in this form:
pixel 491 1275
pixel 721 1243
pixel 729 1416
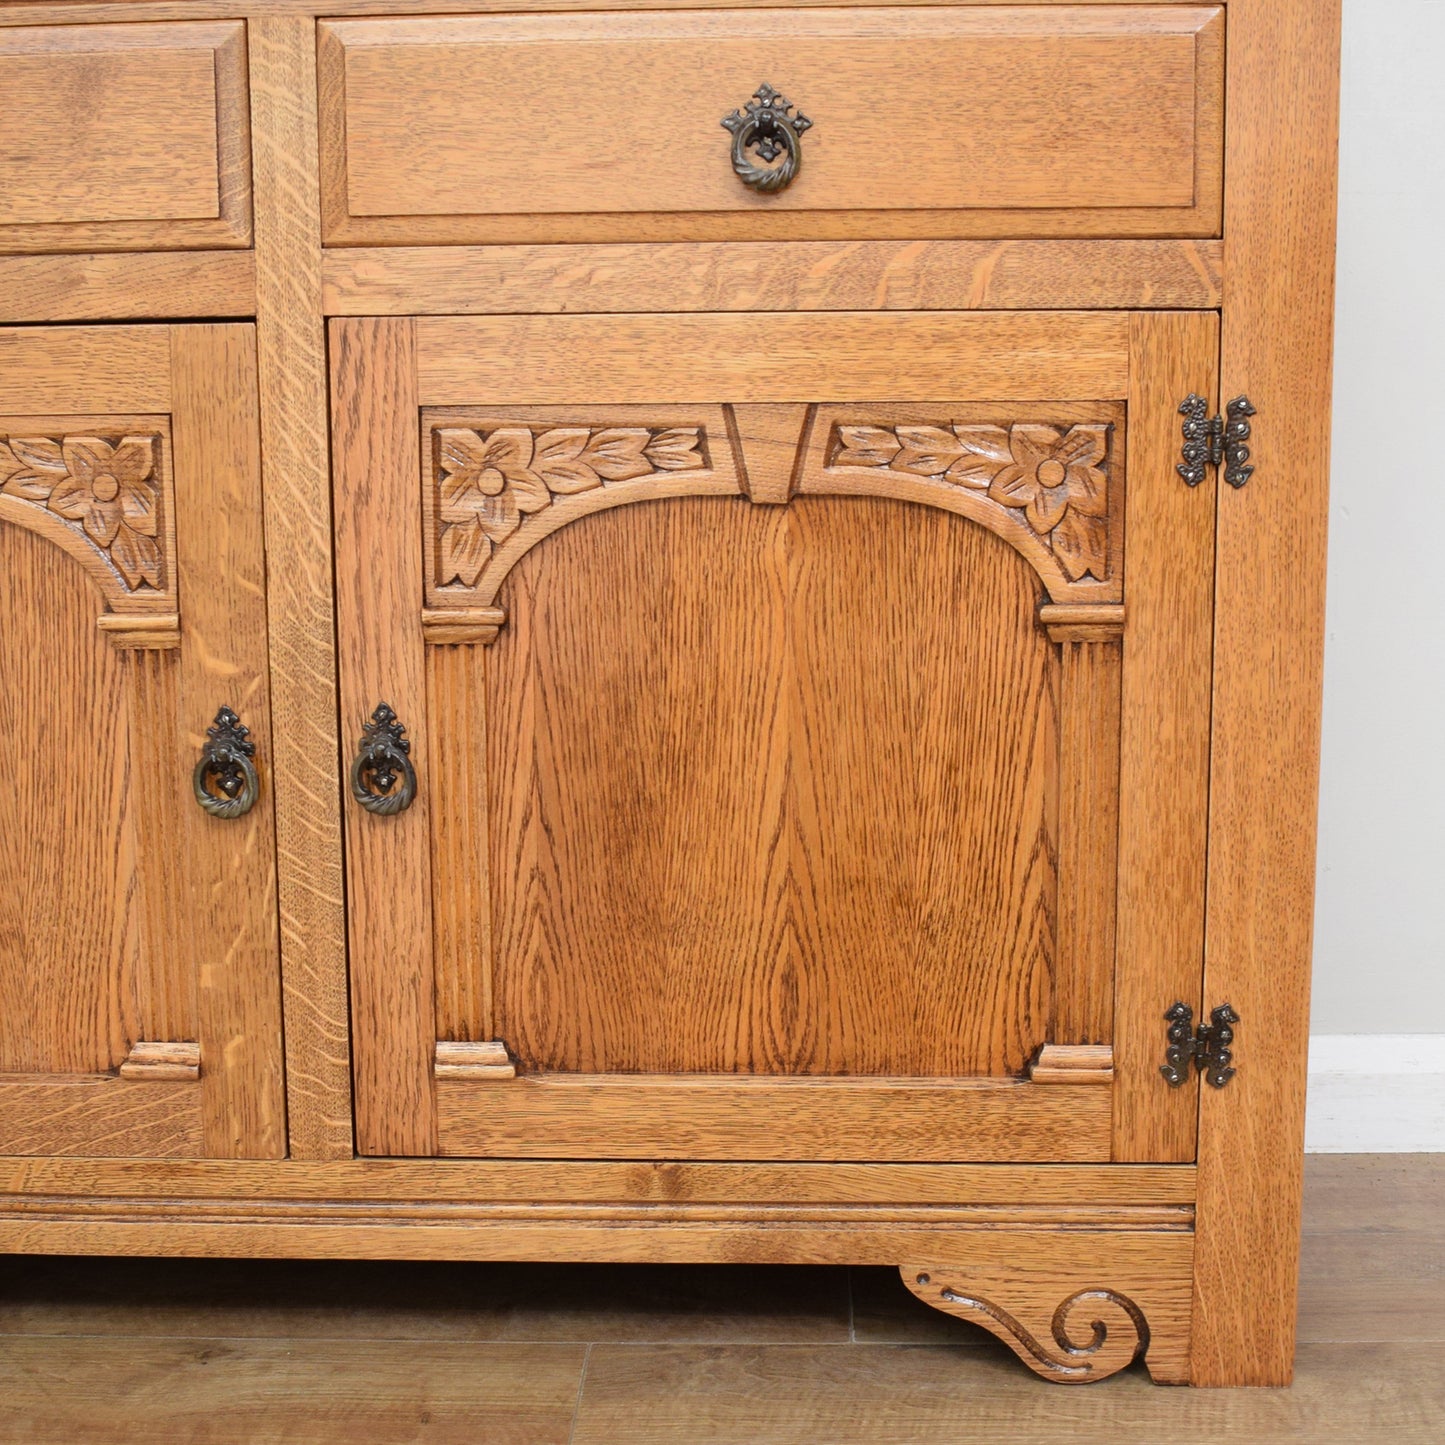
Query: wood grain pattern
pixel 71 920
pixel 845 356
pixel 1268 640
pixel 143 131
pixel 157 1062
pixel 1074 1308
pixel 230 907
pixel 84 370
pixel 57 1115
pixel 819 854
pixel 754 276
pixel 116 286
pixel 460 871
pixel 90 12
pixel 1008 154
pixel 1164 736
pixel 1073 1064
pixel 1088 834
pixel 645 1116
pixel 510 1394
pixel 291 354
pixel 1042 1192
pixel 165 985
pixel 378 588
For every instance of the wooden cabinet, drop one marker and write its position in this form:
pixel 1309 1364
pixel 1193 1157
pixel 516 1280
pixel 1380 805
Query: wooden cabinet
pixel 787 768
pixel 141 983
pixel 784 547
pixel 119 137
pixel 936 121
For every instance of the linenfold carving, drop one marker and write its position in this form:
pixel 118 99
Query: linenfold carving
pixel 1055 476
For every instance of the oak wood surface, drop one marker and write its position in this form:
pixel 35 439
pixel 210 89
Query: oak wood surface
pixel 291 355
pixel 642 1116
pixel 87 370
pixel 71 926
pixel 92 12
pixel 124 137
pixel 57 1114
pixel 378 591
pixel 1012 153
pixel 794 859
pixel 1164 737
pixel 759 276
pixel 1269 638
pixel 231 917
pixel 1046 1187
pixel 137 920
pixel 110 286
pixel 1045 1294
pixel 849 356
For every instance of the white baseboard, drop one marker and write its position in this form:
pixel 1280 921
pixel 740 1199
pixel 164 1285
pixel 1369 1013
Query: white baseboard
pixel 1376 1094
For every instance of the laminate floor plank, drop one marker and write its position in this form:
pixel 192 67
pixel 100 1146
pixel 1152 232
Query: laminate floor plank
pixel 1371 1193
pixel 103 1391
pixel 234 1352
pixel 941 1395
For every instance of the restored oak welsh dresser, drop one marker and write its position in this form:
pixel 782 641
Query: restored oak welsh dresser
pixel 671 632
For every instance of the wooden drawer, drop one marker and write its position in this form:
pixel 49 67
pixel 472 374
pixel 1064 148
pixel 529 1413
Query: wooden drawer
pixel 124 137
pixel 934 121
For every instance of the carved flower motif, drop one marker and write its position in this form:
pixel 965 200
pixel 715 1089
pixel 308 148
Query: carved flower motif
pixel 1055 477
pixel 110 490
pixel 1057 481
pixel 488 481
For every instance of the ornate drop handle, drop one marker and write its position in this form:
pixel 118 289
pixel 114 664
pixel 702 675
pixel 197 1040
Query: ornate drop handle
pixel 225 781
pixel 765 127
pixel 383 780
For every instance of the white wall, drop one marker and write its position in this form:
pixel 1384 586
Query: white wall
pixel 1380 916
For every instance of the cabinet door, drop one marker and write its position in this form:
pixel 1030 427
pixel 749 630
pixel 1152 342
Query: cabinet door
pixel 139 981
pixel 806 732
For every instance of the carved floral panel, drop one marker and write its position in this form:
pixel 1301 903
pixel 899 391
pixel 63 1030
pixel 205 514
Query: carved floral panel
pixel 108 489
pixel 1054 477
pixel 488 481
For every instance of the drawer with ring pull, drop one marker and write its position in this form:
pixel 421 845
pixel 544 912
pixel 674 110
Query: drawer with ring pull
pixel 930 121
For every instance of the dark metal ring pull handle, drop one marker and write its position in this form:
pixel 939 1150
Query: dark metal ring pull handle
pixel 383 780
pixel 765 127
pixel 225 781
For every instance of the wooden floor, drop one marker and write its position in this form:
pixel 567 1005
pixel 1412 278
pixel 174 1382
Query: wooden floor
pixel 377 1354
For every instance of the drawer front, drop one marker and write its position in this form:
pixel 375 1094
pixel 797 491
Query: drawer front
pixel 949 120
pixel 124 137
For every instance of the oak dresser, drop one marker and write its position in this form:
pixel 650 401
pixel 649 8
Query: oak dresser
pixel 680 633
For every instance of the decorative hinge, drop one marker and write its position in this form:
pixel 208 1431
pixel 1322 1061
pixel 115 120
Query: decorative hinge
pixel 1211 441
pixel 1209 1046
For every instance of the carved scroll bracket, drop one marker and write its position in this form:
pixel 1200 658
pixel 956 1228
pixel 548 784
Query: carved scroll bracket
pixel 104 495
pixel 1075 1306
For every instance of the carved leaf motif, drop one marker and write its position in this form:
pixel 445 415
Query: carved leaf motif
pixel 617 453
pixel 675 449
pixel 488 482
pixel 559 462
pixel 927 450
pixel 1055 477
pixel 984 450
pixel 31 466
pixel 866 446
pixel 109 490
